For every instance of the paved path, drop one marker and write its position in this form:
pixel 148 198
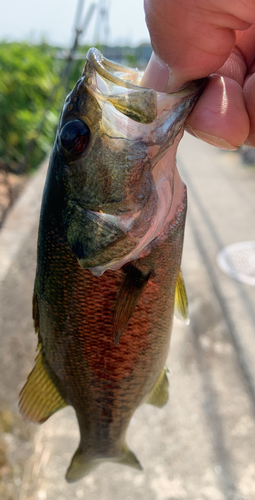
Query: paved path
pixel 201 445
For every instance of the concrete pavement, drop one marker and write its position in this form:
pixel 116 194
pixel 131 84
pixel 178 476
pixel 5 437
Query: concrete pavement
pixel 200 446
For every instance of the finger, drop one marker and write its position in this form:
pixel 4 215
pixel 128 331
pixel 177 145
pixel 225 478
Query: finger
pixel 245 41
pixel 242 57
pixel 231 127
pixel 220 116
pixel 194 38
pixel 249 98
pixel 223 116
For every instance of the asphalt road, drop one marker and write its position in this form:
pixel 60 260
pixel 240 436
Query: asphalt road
pixel 200 446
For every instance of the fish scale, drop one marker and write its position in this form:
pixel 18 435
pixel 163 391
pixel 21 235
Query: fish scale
pixel 106 284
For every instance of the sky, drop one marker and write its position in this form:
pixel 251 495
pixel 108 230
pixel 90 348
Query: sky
pixel 54 20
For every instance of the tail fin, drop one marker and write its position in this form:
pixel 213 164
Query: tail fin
pixel 80 465
pixel 129 458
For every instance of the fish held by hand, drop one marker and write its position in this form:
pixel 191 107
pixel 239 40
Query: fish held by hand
pixel 109 252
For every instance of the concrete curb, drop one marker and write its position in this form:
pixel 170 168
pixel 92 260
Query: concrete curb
pixel 21 219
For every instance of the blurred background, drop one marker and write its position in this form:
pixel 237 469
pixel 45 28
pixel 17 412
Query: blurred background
pixel 201 445
pixel 42 53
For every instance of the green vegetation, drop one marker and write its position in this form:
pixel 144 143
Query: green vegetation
pixel 33 87
pixel 31 98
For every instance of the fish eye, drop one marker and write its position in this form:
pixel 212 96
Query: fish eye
pixel 75 136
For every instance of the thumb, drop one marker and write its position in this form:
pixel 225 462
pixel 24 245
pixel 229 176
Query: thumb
pixel 219 118
pixel 194 38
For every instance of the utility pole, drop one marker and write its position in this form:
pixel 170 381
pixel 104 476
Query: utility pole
pixel 102 27
pixel 80 29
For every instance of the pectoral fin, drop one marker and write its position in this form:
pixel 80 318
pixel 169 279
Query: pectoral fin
pixel 181 299
pixel 40 398
pixel 159 394
pixel 129 295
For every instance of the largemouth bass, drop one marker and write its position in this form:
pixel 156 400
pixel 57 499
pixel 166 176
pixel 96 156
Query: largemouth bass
pixel 109 253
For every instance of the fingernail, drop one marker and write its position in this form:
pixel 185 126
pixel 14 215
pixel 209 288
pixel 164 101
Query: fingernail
pixel 156 75
pixel 214 140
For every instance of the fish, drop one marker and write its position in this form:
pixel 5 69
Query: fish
pixel 108 275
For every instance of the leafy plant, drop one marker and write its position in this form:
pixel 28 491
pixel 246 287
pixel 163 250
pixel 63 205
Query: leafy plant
pixel 33 86
pixel 30 91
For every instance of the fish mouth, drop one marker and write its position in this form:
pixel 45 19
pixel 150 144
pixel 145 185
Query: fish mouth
pixel 102 241
pixel 116 73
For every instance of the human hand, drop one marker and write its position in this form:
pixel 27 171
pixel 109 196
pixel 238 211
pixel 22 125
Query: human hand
pixel 194 38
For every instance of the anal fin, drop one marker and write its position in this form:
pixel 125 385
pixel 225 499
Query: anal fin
pixel 159 394
pixel 40 398
pixel 129 295
pixel 181 299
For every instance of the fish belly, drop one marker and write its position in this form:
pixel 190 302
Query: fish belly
pixel 105 382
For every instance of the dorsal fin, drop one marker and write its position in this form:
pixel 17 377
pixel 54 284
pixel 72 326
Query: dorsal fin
pixel 129 295
pixel 40 398
pixel 181 299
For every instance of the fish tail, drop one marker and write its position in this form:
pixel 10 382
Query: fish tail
pixel 129 458
pixel 81 464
